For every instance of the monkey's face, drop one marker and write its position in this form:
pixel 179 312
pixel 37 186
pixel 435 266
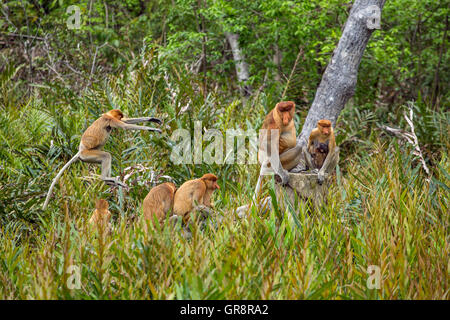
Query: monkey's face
pixel 324 127
pixel 286 117
pixel 286 111
pixel 212 184
pixel 210 181
pixel 325 131
pixel 322 148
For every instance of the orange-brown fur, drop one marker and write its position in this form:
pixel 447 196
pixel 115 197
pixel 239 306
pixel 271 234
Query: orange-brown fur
pixel 194 193
pixel 96 135
pixel 159 201
pixel 281 118
pixel 101 216
pixel 98 132
pixel 324 133
pixel 93 140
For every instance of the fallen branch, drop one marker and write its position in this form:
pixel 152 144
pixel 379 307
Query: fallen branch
pixel 23 36
pixel 411 138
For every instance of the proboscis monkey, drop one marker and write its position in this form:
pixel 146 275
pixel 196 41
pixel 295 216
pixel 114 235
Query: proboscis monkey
pixel 195 195
pixel 278 134
pixel 93 140
pixel 159 201
pixel 324 133
pixel 101 217
pixel 319 154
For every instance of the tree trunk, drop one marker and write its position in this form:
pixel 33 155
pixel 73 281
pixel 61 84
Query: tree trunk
pixel 241 65
pixel 201 29
pixel 336 88
pixel 306 187
pixel 339 79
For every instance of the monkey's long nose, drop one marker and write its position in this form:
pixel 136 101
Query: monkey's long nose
pixel 217 186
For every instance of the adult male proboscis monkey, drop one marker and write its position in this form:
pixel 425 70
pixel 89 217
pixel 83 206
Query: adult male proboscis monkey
pixel 278 150
pixel 95 137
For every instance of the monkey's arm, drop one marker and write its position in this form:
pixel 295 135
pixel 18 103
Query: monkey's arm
pixel 297 159
pixel 142 119
pixel 274 157
pixel 198 194
pixel 330 162
pixel 314 133
pixel 269 140
pixel 198 198
pixel 332 142
pixel 122 125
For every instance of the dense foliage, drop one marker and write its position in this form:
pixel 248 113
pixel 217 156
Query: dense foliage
pixel 171 59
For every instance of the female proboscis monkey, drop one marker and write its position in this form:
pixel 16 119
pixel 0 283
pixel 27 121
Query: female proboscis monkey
pixel 195 195
pixel 324 134
pixel 159 201
pixel 93 140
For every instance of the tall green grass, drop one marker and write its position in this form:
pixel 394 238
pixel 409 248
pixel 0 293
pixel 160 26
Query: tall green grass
pixel 382 213
pixel 381 210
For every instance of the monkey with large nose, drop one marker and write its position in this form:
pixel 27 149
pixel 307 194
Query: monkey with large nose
pixel 95 137
pixel 195 195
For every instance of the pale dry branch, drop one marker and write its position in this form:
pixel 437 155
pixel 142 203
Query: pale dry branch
pixel 410 137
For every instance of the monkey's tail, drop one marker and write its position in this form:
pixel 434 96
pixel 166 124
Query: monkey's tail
pixel 258 187
pixel 74 158
pixel 258 184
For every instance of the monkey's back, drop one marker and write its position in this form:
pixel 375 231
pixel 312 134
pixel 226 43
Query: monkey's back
pixel 96 134
pixel 158 201
pixel 188 192
pixel 269 121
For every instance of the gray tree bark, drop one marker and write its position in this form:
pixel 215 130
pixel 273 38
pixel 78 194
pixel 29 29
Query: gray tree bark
pixel 339 79
pixel 241 66
pixel 336 88
pixel 277 61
